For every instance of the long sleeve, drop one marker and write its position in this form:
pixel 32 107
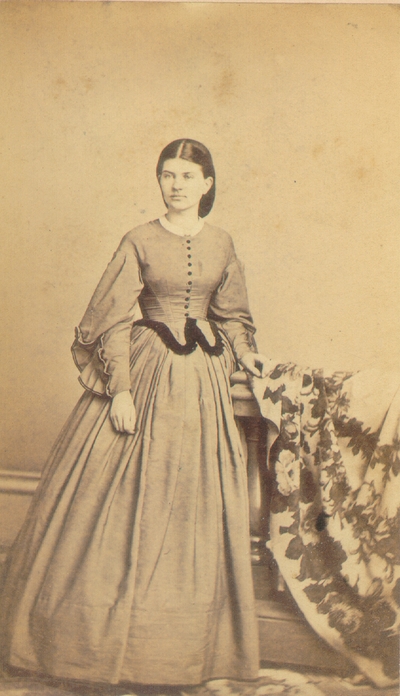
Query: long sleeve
pixel 229 307
pixel 102 342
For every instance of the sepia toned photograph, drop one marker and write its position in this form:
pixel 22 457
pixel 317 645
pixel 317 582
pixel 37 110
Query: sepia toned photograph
pixel 200 403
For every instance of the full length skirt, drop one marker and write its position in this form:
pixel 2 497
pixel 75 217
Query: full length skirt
pixel 134 561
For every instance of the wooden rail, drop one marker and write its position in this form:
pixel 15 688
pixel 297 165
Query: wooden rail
pixel 19 482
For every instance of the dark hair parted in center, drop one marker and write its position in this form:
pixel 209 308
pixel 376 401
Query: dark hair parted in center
pixel 192 151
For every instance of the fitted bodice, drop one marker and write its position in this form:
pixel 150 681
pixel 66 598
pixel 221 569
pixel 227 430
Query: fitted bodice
pixel 179 275
pixel 170 278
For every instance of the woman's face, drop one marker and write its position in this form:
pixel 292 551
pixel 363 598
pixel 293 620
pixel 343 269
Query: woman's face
pixel 183 184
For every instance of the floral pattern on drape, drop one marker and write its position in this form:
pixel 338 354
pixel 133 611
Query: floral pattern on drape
pixel 335 506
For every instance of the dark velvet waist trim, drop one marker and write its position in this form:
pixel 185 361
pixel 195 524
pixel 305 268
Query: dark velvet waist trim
pixel 193 337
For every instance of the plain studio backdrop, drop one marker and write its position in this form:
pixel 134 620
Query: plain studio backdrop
pixel 299 106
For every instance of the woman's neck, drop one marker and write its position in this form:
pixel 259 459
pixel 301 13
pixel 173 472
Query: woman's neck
pixel 186 219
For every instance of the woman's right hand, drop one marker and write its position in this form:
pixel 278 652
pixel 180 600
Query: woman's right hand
pixel 123 413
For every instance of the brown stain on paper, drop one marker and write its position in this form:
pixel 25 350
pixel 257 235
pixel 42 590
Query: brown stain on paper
pixel 224 89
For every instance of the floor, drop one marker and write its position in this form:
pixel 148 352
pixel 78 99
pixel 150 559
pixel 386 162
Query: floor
pixel 272 680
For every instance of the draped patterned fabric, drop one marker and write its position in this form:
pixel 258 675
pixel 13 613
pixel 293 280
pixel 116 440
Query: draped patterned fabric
pixel 335 506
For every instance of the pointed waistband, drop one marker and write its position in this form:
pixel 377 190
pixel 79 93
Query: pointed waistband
pixel 193 336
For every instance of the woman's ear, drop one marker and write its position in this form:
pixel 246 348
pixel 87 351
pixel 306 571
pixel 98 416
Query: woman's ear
pixel 209 182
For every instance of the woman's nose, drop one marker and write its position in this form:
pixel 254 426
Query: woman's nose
pixel 177 185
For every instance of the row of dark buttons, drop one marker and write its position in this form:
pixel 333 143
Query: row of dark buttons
pixel 188 289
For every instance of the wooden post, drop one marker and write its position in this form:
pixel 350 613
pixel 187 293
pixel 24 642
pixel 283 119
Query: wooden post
pixel 285 637
pixel 254 433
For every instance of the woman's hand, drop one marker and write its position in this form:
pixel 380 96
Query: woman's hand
pixel 255 363
pixel 123 413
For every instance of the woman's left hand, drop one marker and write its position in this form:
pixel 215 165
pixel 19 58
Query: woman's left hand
pixel 255 363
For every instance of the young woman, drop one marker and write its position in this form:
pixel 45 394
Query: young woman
pixel 134 561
